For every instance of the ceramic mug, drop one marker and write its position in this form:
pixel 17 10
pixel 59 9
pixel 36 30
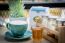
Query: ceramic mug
pixel 17 26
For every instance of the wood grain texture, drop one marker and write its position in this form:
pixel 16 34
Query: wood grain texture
pixel 2 39
pixel 61 38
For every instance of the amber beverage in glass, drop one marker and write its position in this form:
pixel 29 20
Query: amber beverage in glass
pixel 37 33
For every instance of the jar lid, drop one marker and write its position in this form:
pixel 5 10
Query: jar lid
pixel 61 19
pixel 39 8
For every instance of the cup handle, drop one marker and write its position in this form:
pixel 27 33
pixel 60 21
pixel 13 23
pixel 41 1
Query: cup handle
pixel 7 26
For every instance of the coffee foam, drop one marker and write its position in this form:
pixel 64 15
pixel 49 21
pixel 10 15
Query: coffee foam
pixel 18 22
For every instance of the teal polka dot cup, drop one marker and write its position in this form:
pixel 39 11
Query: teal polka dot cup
pixel 17 26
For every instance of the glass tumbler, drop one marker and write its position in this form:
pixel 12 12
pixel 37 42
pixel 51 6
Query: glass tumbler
pixel 37 33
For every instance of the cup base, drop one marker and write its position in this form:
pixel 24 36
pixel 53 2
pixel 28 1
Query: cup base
pixel 18 36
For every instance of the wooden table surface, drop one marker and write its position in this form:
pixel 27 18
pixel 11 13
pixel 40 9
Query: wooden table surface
pixel 2 40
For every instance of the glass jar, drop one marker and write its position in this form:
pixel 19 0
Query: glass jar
pixel 55 12
pixel 38 12
pixel 3 15
pixel 45 21
pixel 52 23
pixel 44 15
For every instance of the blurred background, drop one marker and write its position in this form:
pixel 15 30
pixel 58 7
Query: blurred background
pixel 21 8
pixel 9 7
